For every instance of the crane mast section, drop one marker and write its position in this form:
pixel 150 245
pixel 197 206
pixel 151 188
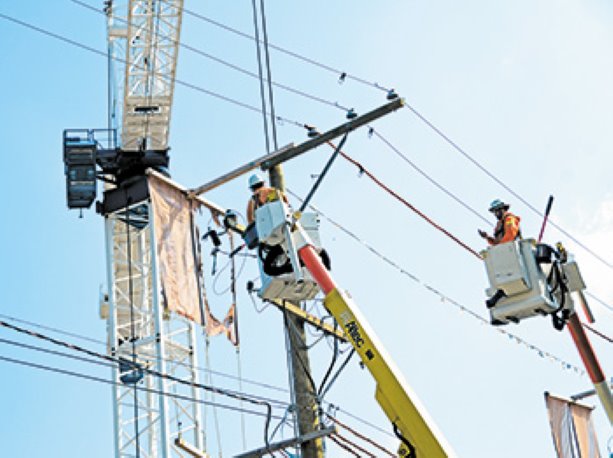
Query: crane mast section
pixel 152 42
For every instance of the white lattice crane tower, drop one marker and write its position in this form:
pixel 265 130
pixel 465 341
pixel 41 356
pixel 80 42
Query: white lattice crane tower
pixel 143 37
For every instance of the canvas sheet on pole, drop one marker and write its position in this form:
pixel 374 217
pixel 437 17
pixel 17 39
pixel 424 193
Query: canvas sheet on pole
pixel 572 429
pixel 172 214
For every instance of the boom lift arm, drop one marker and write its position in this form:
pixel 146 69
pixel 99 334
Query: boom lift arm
pixel 417 432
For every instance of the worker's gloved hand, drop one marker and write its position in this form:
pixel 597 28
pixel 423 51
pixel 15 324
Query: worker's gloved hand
pixel 483 234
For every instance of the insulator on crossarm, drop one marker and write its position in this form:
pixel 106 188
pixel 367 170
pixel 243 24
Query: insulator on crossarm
pixel 391 95
pixel 312 131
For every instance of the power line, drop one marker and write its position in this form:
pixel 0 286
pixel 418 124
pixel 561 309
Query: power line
pixel 140 388
pixel 361 420
pixel 56 353
pixel 260 74
pixel 298 124
pixel 212 403
pixel 102 363
pixel 444 298
pixel 145 357
pixel 228 393
pixel 477 164
pixel 428 177
pixel 386 188
pixel 333 438
pixel 453 196
pixel 361 436
pixel 123 61
pixel 600 301
pixel 342 74
pixel 268 75
pixel 354 445
pixel 52 329
pixel 423 119
pixel 226 63
pixel 597 332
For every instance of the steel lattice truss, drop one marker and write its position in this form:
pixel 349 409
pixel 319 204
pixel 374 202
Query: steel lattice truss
pixel 140 330
pixel 143 40
pixel 143 37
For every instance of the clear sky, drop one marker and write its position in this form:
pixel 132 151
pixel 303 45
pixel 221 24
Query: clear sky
pixel 525 87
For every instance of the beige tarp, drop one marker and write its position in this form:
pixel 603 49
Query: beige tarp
pixel 228 327
pixel 178 257
pixel 172 214
pixel 572 429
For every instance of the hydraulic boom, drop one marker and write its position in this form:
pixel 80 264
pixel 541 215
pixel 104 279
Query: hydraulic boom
pixel 419 436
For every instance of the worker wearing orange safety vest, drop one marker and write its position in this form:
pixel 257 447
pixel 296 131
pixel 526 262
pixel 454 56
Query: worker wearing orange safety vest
pixel 507 228
pixel 261 195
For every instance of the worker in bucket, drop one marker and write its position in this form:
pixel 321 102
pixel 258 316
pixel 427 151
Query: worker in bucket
pixel 506 230
pixel 262 194
pixel 507 227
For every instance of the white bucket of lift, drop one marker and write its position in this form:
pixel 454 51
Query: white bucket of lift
pixel 512 268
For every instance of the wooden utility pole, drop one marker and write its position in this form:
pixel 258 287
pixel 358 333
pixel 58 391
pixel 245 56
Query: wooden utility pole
pixel 305 393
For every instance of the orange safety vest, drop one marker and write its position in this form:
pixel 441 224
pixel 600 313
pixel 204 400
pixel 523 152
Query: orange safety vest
pixel 507 229
pixel 264 195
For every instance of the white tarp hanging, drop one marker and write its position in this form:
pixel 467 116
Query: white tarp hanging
pixel 572 429
pixel 173 219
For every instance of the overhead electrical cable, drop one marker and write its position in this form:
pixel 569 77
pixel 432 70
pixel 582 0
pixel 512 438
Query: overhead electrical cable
pixel 597 332
pixel 287 51
pixel 52 329
pixel 354 445
pixel 271 99
pixel 600 301
pixel 361 436
pixel 143 356
pixel 56 353
pixel 222 374
pixel 225 63
pixel 428 177
pixel 477 164
pixel 361 420
pixel 444 298
pixel 334 438
pixel 96 51
pixel 386 188
pixel 104 360
pixel 422 118
pixel 338 371
pixel 123 61
pixel 208 388
pixel 140 388
pixel 260 74
pixel 411 108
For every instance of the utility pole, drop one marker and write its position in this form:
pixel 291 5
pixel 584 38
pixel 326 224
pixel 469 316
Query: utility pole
pixel 305 394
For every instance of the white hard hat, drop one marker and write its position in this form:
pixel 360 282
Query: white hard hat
pixel 255 180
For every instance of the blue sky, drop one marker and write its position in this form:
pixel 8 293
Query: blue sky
pixel 524 87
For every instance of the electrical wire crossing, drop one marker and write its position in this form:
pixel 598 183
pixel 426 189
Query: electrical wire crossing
pixel 109 365
pixel 343 76
pixel 140 388
pixel 228 393
pixel 180 82
pixel 443 297
pixel 378 182
pixel 484 169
